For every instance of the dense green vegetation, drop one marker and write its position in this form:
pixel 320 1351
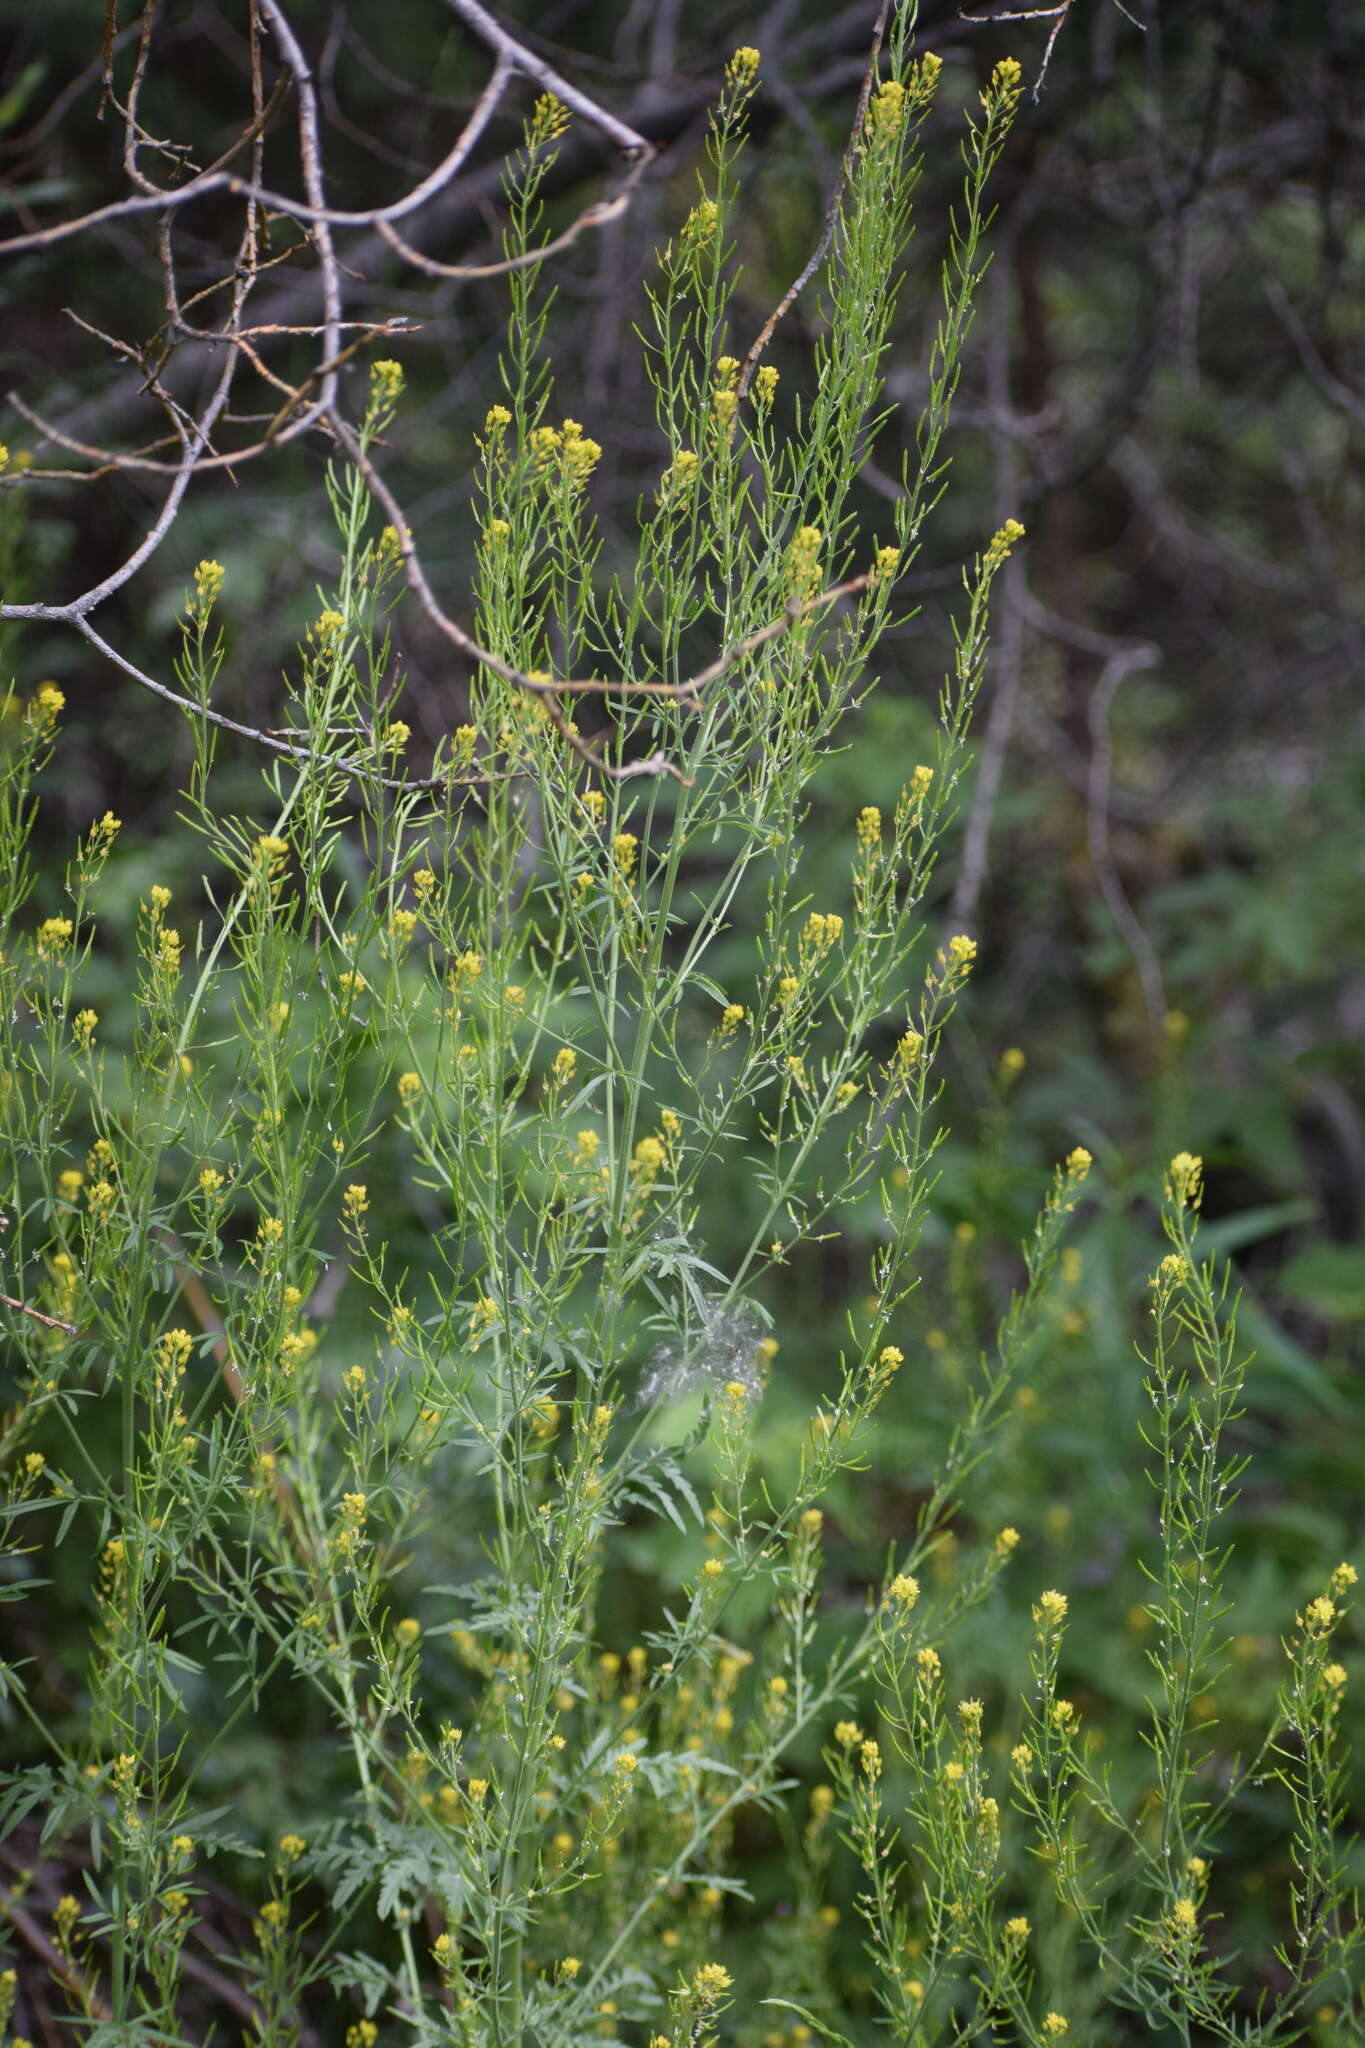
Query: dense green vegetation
pixel 597 1285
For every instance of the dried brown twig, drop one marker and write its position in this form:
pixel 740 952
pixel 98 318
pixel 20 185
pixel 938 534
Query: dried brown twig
pixel 49 1322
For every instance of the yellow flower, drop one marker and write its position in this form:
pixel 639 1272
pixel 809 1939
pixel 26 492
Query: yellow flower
pixel 765 384
pixel 355 1201
pixel 961 950
pixel 1006 1541
pixel 623 851
pixel 905 1590
pixel 563 1064
pixel 1018 1928
pixel 742 69
pixel 1184 1917
pixel 386 384
pixel 700 226
pixel 870 1757
pixel 208 585
pixel 887 111
pixel 909 1050
pixel 1321 1613
pixel 292 1847
pixel 549 119
pixel 649 1160
pixel 1000 97
pixel 847 1734
pixel 924 76
pixel 1078 1162
pixel 569 1967
pixel 83 1029
pixel 46 707
pixel 804 561
pixel 681 472
pixel 1054 2026
pixel 1184 1182
pixel 710 1983
pixel 869 829
pixel 408 1631
pixel 1002 543
pixel 822 930
pixel 1051 1609
pixel 409 1089
pixel 54 935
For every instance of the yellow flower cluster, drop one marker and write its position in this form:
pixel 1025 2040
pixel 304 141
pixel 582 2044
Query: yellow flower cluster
pixel 742 70
pixel 823 930
pixel 724 398
pixel 680 474
pixel 386 385
pixel 568 449
pixel 45 707
pixel 549 119
pixel 1051 1610
pixel 924 77
pixel 648 1162
pixel 1002 542
pixel 208 587
pixel 1002 94
pixel 886 114
pixel 699 227
pixel 624 848
pixel 908 1051
pixel 803 561
pixel 54 936
pixel 563 1065
pixel 1185 1174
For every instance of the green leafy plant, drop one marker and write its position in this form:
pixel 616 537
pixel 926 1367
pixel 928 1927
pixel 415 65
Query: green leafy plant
pixel 457 1046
